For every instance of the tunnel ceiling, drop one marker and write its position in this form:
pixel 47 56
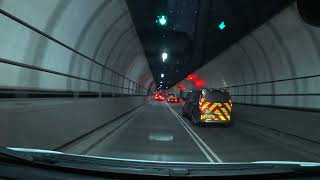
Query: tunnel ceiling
pixel 192 36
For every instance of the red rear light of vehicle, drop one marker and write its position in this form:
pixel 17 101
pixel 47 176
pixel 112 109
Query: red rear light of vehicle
pixel 156 97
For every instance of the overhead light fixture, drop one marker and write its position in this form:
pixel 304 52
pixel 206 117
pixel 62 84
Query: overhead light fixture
pixel 164 56
pixel 161 82
pixel 162 75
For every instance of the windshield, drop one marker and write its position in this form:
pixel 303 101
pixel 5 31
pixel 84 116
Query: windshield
pixel 216 96
pixel 96 77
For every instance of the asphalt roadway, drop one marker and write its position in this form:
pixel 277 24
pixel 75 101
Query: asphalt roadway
pixel 158 132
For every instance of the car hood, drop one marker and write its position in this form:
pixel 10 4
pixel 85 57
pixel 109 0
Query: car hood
pixel 303 164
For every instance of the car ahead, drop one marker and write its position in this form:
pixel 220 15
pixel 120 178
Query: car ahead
pixel 159 97
pixel 208 106
pixel 172 98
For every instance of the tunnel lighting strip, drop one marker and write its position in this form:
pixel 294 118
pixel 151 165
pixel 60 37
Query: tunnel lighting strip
pixel 5 13
pixel 5 61
pixel 43 93
pixel 275 81
pixel 286 107
pixel 196 138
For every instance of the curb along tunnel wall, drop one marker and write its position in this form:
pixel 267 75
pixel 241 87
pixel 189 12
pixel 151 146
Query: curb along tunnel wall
pixel 50 124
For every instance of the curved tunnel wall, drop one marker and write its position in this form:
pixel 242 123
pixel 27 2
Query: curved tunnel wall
pixel 71 48
pixel 277 64
pixel 71 45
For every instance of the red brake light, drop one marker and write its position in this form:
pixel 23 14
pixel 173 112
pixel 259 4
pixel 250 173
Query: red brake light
pixel 199 83
pixel 191 77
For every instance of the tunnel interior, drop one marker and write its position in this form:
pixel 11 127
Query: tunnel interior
pixel 80 77
pixel 60 48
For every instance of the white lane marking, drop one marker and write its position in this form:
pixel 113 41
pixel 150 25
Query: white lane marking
pixel 201 141
pixel 193 138
pixel 195 134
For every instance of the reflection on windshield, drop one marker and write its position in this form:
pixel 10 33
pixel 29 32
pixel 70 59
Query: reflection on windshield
pixel 168 81
pixel 216 96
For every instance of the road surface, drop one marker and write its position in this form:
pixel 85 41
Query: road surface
pixel 158 132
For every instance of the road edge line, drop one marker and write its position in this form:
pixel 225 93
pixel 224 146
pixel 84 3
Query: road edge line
pixel 102 138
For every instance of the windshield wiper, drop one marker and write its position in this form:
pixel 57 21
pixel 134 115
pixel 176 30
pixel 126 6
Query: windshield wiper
pixel 16 155
pixel 26 156
pixel 302 164
pixel 110 165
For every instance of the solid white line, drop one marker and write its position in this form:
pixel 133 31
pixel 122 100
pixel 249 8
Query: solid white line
pixel 199 139
pixel 193 138
pixel 202 142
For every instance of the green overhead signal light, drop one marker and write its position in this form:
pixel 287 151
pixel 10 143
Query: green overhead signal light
pixel 222 26
pixel 162 20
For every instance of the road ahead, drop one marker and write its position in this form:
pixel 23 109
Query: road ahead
pixel 158 132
